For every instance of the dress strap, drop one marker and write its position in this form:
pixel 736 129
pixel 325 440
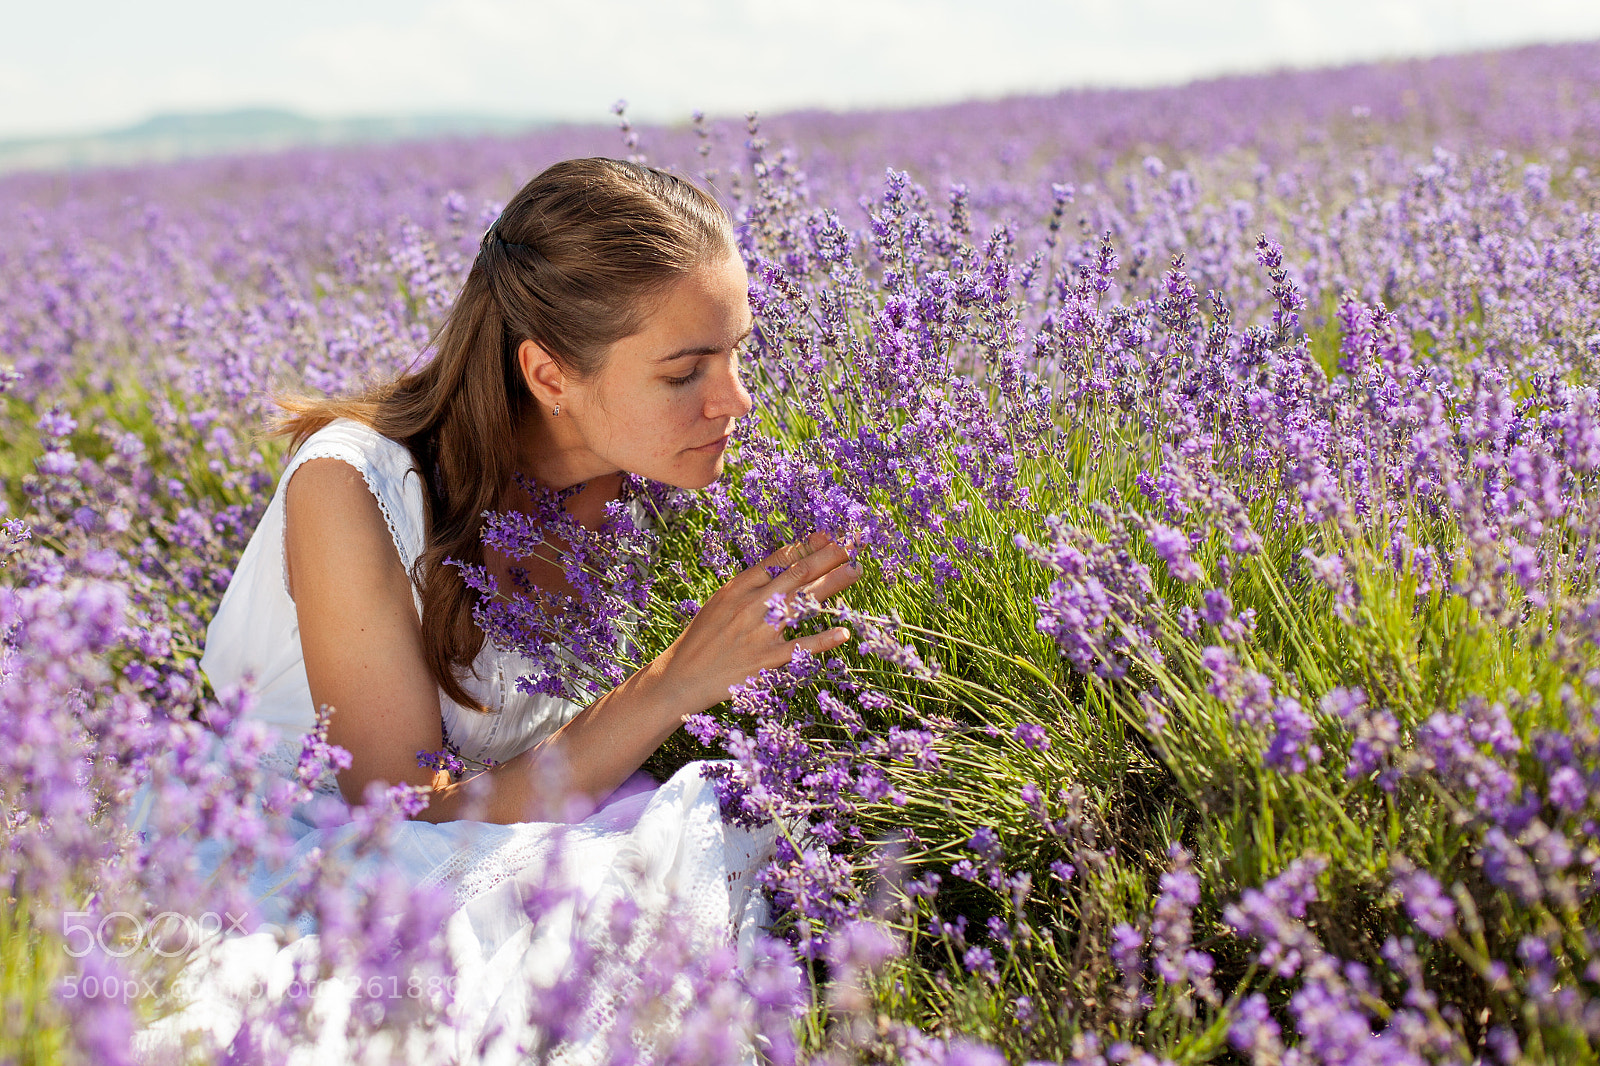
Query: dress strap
pixel 390 474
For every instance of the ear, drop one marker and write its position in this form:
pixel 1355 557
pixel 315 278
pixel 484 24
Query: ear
pixel 540 373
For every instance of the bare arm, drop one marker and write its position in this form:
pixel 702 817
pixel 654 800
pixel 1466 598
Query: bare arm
pixel 358 629
pixel 363 653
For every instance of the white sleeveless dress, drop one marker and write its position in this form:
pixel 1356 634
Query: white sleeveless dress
pixel 667 844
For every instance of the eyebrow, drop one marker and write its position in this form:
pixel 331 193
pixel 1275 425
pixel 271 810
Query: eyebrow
pixel 707 350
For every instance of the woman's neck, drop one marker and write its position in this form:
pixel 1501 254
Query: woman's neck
pixel 555 456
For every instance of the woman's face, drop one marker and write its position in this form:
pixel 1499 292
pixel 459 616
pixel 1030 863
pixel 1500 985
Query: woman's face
pixel 668 396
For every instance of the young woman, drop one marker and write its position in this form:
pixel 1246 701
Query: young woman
pixel 598 333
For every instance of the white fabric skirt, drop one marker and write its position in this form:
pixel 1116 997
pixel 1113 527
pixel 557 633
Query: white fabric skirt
pixel 666 850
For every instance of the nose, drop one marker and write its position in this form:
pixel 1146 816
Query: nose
pixel 730 399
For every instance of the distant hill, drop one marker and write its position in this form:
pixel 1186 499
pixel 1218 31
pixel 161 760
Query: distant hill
pixel 182 135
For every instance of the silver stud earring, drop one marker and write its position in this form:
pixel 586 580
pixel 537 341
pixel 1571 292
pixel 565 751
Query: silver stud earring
pixel 557 410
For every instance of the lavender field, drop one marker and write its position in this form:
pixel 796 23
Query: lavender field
pixel 1225 462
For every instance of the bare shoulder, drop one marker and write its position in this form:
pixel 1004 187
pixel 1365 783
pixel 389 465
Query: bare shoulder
pixel 332 521
pixel 328 484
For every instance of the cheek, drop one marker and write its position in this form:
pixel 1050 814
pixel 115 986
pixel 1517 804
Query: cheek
pixel 655 422
pixel 664 422
pixel 683 408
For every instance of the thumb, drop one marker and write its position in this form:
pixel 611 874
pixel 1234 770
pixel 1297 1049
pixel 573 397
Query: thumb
pixel 827 640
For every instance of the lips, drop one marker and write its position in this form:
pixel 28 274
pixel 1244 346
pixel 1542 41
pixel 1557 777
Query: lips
pixel 719 441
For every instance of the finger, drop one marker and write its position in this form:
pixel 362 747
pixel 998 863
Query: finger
pixel 813 567
pixel 789 554
pixel 826 641
pixel 832 582
pixel 794 551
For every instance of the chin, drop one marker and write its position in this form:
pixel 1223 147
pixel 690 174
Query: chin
pixel 701 483
pixel 690 472
pixel 711 476
pixel 679 480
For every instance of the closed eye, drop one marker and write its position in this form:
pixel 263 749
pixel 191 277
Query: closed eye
pixel 687 377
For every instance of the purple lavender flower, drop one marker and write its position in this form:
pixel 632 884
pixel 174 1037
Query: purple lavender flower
pixel 1126 946
pixel 1291 749
pixel 1032 736
pixel 1425 900
pixel 1272 915
pixel 784 612
pixel 1098 608
pixel 1173 547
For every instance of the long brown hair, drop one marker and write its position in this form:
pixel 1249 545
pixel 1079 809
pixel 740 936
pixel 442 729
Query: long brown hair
pixel 573 263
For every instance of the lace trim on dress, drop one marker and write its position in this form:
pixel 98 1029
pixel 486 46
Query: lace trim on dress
pixel 342 453
pixel 470 872
pixel 744 852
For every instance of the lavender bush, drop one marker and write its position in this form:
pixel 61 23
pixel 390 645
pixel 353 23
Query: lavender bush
pixel 1224 461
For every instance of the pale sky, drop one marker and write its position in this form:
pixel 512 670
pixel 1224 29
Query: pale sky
pixel 73 66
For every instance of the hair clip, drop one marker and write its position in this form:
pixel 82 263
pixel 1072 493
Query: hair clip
pixel 494 232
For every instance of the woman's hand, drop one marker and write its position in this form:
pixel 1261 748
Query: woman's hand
pixel 729 640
